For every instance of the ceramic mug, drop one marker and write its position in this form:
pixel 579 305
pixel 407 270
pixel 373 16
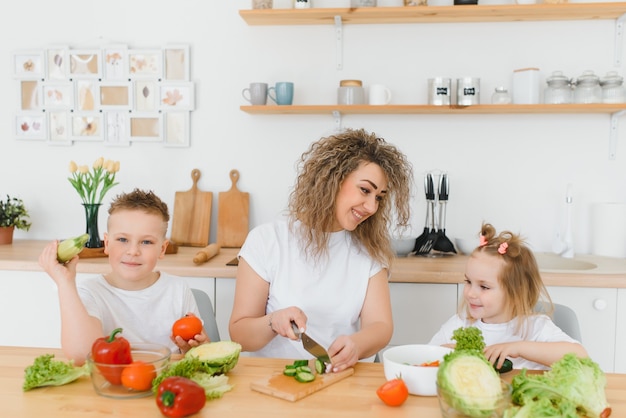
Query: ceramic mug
pixel 379 95
pixel 283 93
pixel 256 94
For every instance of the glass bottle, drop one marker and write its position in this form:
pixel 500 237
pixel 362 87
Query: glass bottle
pixel 500 96
pixel 612 88
pixel 559 90
pixel 588 88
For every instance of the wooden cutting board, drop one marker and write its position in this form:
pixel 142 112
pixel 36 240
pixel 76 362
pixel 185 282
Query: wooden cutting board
pixel 192 215
pixel 233 215
pixel 288 388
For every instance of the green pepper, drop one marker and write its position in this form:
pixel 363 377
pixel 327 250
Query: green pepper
pixel 111 350
pixel 179 397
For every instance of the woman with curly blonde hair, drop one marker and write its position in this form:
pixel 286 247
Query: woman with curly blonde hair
pixel 325 268
pixel 502 288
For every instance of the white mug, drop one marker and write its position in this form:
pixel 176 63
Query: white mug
pixel 379 95
pixel 526 88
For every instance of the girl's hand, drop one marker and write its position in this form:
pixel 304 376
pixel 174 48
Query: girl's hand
pixel 185 346
pixel 499 352
pixel 343 353
pixel 280 321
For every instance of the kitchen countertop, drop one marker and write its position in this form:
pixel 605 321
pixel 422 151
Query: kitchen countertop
pixel 610 272
pixel 354 396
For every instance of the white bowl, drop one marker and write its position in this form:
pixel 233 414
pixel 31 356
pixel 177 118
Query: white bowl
pixel 404 361
pixel 466 245
pixel 403 246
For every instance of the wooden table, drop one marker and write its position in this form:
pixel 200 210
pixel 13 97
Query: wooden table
pixel 351 397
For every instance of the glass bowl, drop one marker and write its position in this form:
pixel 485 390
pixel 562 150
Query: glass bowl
pixel 473 409
pixel 106 378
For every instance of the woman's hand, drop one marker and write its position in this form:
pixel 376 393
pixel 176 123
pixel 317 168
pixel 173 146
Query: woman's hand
pixel 343 353
pixel 280 321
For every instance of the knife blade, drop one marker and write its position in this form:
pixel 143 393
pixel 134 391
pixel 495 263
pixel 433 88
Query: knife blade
pixel 311 345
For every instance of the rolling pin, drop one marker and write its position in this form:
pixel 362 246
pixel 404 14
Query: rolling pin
pixel 206 253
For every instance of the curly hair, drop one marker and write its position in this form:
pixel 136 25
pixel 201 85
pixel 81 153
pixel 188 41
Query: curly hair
pixel 322 170
pixel 519 276
pixel 145 201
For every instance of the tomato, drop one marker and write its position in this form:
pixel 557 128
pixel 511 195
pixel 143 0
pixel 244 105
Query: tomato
pixel 138 375
pixel 394 392
pixel 187 327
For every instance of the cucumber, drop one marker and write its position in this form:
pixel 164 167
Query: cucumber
pixel 304 369
pixel 507 366
pixel 305 377
pixel 299 363
pixel 320 366
pixel 290 371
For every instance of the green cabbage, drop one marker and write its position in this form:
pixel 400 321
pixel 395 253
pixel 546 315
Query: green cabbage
pixel 572 382
pixel 45 371
pixel 469 383
pixel 218 357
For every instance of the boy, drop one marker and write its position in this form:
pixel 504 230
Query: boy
pixel 142 301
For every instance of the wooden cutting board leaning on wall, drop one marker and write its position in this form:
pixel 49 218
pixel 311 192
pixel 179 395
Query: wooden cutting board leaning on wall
pixel 192 215
pixel 233 215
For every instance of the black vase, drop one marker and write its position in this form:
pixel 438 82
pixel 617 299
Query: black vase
pixel 91 217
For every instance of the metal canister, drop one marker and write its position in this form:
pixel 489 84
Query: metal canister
pixel 439 91
pixel 467 91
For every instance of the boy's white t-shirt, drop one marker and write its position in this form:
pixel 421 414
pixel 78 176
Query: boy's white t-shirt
pixel 330 291
pixel 145 315
pixel 540 328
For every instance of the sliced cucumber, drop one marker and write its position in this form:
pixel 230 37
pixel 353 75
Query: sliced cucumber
pixel 300 363
pixel 305 377
pixel 320 366
pixel 290 371
pixel 304 369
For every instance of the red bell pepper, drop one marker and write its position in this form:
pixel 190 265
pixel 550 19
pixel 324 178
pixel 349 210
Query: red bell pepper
pixel 111 350
pixel 179 397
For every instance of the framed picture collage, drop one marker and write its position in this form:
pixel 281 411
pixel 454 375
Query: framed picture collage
pixel 112 94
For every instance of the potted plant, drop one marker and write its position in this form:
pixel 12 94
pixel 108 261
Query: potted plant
pixel 13 214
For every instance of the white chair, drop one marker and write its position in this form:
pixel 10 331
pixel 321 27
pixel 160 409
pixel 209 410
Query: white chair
pixel 565 318
pixel 206 313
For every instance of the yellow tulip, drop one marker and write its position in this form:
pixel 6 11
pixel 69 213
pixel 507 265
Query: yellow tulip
pixel 98 163
pixel 73 167
pixel 83 169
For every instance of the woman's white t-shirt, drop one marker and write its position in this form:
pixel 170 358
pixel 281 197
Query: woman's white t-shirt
pixel 145 315
pixel 539 328
pixel 330 291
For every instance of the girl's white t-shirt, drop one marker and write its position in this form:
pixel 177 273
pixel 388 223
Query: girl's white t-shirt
pixel 539 328
pixel 330 291
pixel 145 315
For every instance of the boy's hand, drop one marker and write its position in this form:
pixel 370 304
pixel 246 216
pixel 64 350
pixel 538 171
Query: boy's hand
pixel 60 273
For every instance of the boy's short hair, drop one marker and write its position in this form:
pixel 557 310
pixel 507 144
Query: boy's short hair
pixel 138 199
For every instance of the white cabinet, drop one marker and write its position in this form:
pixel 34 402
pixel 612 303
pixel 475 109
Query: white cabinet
pixel 419 310
pixel 224 299
pixel 620 333
pixel 596 309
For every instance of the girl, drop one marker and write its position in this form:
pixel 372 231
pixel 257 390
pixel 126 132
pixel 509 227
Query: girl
pixel 502 287
pixel 326 266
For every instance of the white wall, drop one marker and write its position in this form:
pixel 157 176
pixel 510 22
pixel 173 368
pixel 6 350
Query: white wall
pixel 511 170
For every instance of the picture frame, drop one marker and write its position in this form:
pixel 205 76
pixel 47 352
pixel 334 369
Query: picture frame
pixel 176 63
pixel 85 63
pixel 29 64
pixel 145 96
pixel 115 62
pixel 57 95
pixel 86 95
pixel 115 95
pixel 30 126
pixel 86 126
pixel 176 129
pixel 145 63
pixel 58 128
pixel 57 63
pixel 30 95
pixel 116 126
pixel 176 96
pixel 145 127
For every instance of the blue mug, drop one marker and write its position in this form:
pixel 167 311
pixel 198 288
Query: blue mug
pixel 283 93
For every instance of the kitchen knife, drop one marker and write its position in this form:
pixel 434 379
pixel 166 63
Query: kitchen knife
pixel 311 345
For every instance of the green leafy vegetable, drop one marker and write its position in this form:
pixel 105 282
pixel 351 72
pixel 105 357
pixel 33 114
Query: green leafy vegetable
pixel 214 386
pixel 470 338
pixel 572 382
pixel 45 371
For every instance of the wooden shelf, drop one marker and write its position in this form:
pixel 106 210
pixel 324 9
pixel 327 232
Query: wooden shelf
pixel 435 14
pixel 432 110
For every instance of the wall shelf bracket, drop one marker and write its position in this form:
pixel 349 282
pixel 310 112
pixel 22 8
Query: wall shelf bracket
pixel 619 40
pixel 613 136
pixel 339 41
pixel 337 116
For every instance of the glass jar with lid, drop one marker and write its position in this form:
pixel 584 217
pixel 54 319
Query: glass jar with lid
pixel 559 90
pixel 501 96
pixel 588 88
pixel 612 88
